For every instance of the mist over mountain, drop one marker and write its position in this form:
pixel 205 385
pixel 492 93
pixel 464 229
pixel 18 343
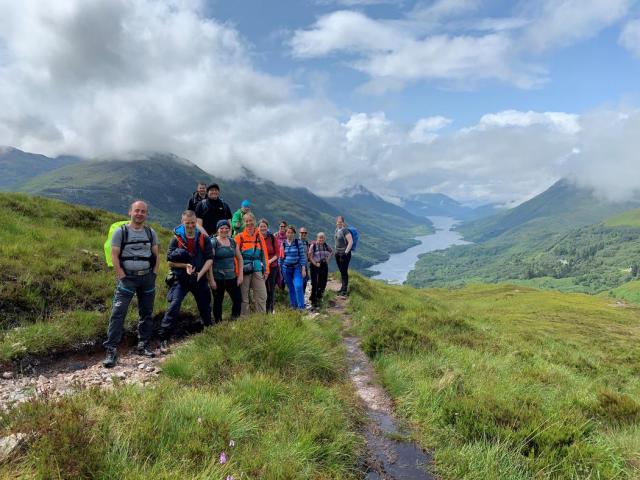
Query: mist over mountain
pixel 438 204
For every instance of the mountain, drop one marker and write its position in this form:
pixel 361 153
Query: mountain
pixel 565 239
pixel 18 166
pixel 166 182
pixel 561 207
pixel 440 205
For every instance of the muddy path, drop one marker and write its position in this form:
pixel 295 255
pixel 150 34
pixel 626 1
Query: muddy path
pixel 391 455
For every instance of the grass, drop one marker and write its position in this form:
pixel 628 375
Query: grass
pixel 505 381
pixel 274 385
pixel 630 218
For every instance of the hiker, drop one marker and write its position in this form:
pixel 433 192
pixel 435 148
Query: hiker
pixel 254 265
pixel 293 265
pixel 199 195
pixel 281 236
pixel 134 252
pixel 273 249
pixel 226 274
pixel 237 223
pixel 304 238
pixel 190 258
pixel 212 210
pixel 319 255
pixel 343 245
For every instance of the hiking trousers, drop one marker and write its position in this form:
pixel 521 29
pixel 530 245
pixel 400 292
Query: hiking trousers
pixel 254 281
pixel 144 286
pixel 342 260
pixel 270 283
pixel 319 277
pixel 293 279
pixel 176 295
pixel 231 287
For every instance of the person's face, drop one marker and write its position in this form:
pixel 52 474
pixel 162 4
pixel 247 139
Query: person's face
pixel 138 212
pixel 202 190
pixel 189 224
pixel 249 223
pixel 290 235
pixel 223 231
pixel 213 193
pixel 263 229
pixel 283 227
pixel 303 234
pixel 339 222
pixel 245 209
pixel 320 239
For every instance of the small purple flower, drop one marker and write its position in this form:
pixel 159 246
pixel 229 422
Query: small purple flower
pixel 223 458
pixel 229 477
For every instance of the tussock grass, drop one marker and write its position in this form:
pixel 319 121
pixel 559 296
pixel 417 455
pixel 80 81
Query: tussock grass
pixel 509 382
pixel 275 386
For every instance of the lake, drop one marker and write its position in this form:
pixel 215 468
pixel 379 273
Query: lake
pixel 396 269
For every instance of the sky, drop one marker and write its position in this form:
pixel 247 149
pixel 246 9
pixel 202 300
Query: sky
pixel 486 101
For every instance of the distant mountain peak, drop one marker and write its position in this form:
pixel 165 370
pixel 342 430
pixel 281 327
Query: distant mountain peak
pixel 357 190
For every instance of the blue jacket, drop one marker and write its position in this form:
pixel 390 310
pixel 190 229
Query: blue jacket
pixel 293 255
pixel 178 253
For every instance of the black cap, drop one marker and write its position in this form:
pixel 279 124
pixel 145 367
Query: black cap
pixel 213 185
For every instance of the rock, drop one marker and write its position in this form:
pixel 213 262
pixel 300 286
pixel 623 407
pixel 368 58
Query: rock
pixel 7 375
pixel 150 369
pixel 10 445
pixel 121 375
pixel 18 396
pixel 142 366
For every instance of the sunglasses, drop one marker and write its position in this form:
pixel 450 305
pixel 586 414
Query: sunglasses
pixel 303 233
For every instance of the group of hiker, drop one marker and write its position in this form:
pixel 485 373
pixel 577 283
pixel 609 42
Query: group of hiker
pixel 212 252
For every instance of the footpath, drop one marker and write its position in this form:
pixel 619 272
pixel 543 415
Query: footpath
pixel 391 455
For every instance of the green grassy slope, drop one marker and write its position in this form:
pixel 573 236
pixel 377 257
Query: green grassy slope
pixel 167 182
pixel 275 386
pixel 506 382
pixel 18 166
pixel 55 285
pixel 625 219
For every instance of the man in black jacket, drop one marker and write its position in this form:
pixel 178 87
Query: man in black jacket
pixel 212 210
pixel 199 195
pixel 190 257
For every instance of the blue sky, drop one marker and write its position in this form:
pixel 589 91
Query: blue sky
pixel 593 72
pixel 486 101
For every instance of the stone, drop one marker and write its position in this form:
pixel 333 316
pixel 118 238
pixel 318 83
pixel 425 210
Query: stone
pixel 150 369
pixel 121 375
pixel 7 375
pixel 10 445
pixel 142 366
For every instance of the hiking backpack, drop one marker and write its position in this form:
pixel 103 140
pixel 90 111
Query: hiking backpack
pixel 122 225
pixel 355 236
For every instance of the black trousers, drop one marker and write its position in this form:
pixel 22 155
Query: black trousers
pixel 318 282
pixel 270 283
pixel 342 260
pixel 232 288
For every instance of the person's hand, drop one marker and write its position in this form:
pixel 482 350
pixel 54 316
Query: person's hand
pixel 120 274
pixel 213 284
pixel 201 274
pixel 189 269
pixel 304 272
pixel 239 280
pixel 266 275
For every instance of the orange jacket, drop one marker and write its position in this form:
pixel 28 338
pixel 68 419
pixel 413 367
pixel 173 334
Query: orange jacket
pixel 248 242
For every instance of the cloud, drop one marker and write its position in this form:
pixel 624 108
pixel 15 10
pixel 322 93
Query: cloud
pixel 161 76
pixel 630 37
pixel 559 23
pixel 448 42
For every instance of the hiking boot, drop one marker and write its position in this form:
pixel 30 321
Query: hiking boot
pixel 111 358
pixel 144 350
pixel 164 347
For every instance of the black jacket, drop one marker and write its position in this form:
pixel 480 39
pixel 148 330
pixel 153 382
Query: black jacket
pixel 212 211
pixel 194 201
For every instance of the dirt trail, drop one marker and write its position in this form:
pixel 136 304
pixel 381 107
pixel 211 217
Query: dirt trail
pixel 77 371
pixel 390 455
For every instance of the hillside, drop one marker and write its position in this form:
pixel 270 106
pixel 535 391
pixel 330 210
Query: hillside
pixel 18 166
pixel 506 382
pixel 561 207
pixel 625 219
pixel 167 181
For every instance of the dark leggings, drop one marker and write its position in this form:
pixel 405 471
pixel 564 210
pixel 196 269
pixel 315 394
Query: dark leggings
pixel 342 260
pixel 271 287
pixel 318 282
pixel 232 288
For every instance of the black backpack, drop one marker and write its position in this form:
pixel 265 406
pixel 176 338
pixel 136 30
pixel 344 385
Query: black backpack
pixel 125 241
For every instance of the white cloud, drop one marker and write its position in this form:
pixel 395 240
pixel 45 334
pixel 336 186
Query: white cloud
pixel 630 37
pixel 558 23
pixel 162 77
